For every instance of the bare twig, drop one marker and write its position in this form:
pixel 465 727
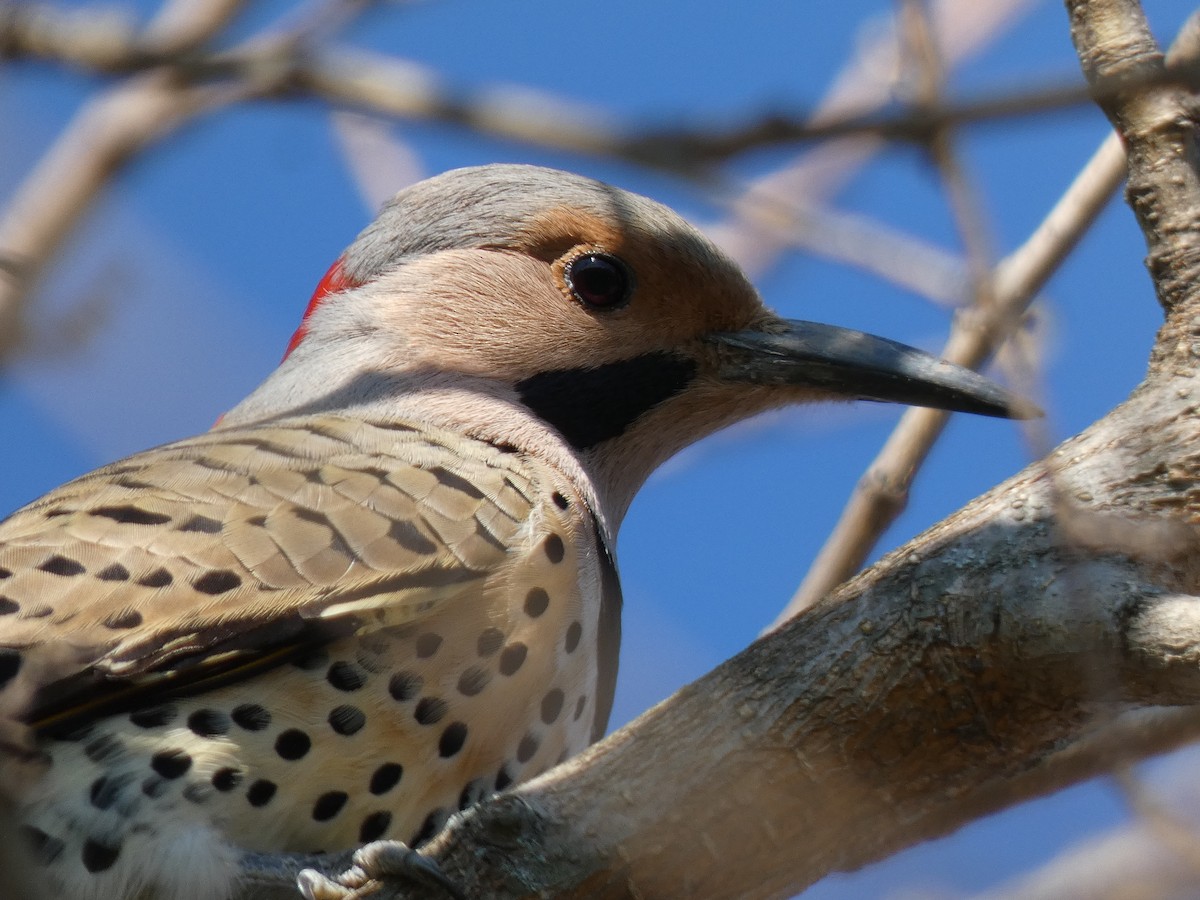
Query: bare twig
pixel 864 86
pixel 1115 46
pixel 1153 856
pixel 379 162
pixel 1016 281
pixel 1132 862
pixel 873 246
pixel 103 136
pixel 388 86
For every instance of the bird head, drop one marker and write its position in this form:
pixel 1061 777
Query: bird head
pixel 572 319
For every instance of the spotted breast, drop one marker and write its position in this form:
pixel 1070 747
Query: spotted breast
pixel 446 644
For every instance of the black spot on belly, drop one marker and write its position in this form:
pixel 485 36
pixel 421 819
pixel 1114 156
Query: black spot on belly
pixel 552 705
pixel 431 710
pixel 526 749
pixel 197 793
pixel 154 787
pixel 554 549
pixel 513 658
pixel 405 685
pixel 153 716
pixel 490 640
pixel 432 825
pixel 208 723
pixel 346 719
pixel 385 778
pixel 574 633
pixel 427 644
pixel 329 805
pixel 251 716
pixel 472 681
pixel 226 779
pixel 97 857
pixel 310 662
pixel 474 791
pixel 374 826
pixel 105 791
pixel 452 739
pixel 293 744
pixel 346 676
pixel 10 665
pixel 103 748
pixel 536 602
pixel 170 763
pixel 261 792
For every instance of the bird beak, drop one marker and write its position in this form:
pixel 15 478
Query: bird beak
pixel 861 366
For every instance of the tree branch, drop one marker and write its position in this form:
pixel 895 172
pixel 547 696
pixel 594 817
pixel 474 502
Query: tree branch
pixel 102 138
pixel 882 492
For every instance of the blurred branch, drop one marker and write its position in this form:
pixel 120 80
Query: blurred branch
pixel 1016 280
pixel 868 83
pixel 1115 47
pixel 866 244
pixel 1156 856
pixel 379 162
pixel 385 85
pixel 1129 863
pixel 104 136
pixel 883 489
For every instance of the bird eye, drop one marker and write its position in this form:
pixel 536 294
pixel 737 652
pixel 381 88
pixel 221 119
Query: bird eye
pixel 599 280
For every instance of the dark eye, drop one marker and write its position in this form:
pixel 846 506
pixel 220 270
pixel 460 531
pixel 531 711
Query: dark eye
pixel 599 280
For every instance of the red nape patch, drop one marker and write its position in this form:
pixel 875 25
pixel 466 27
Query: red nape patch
pixel 335 280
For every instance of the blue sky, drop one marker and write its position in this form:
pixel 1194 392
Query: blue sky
pixel 192 271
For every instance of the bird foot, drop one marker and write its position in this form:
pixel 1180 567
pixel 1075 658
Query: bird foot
pixel 374 866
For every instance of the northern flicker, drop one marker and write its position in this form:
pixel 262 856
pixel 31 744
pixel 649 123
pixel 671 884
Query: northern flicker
pixel 383 586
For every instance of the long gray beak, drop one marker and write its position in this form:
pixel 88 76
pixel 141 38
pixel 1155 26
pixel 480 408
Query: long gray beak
pixel 854 364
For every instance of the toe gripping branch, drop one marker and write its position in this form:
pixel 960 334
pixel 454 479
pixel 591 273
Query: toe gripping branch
pixel 373 866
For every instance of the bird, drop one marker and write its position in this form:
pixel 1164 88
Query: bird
pixel 383 586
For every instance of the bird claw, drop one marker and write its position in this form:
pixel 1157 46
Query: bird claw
pixel 315 886
pixel 374 864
